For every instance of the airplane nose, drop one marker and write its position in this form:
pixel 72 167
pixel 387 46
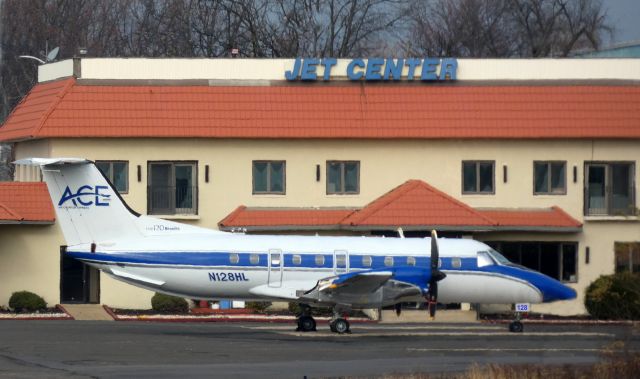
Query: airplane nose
pixel 553 290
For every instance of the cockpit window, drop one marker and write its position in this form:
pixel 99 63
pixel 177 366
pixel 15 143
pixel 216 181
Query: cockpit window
pixel 499 257
pixel 484 259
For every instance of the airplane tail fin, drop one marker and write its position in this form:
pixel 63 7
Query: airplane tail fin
pixel 88 208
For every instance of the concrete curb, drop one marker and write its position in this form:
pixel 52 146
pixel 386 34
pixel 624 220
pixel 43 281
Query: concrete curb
pixel 34 316
pixel 62 308
pixel 110 312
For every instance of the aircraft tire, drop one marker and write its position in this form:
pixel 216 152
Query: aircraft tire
pixel 341 326
pixel 516 327
pixel 306 324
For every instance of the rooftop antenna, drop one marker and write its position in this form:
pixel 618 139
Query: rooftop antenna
pixel 53 54
pixel 50 56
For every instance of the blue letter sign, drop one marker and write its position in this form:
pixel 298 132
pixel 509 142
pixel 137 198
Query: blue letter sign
pixel 376 69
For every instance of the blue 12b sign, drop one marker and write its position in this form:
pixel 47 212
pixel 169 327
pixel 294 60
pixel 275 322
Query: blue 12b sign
pixel 376 69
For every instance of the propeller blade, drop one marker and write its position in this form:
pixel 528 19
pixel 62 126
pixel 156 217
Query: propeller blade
pixel 433 299
pixel 435 277
pixel 435 256
pixel 398 309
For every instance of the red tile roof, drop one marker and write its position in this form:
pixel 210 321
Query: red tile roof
pixel 414 205
pixel 66 108
pixel 25 203
pixel 548 217
pixel 252 217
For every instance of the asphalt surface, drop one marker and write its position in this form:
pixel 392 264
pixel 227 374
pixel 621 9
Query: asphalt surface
pixel 97 349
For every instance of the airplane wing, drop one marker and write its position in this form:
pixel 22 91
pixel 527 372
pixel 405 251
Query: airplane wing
pixel 355 282
pixel 369 288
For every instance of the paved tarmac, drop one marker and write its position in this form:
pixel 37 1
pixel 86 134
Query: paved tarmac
pixel 98 349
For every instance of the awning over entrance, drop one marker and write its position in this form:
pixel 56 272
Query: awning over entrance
pixel 414 205
pixel 25 203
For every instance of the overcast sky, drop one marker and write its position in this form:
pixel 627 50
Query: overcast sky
pixel 625 17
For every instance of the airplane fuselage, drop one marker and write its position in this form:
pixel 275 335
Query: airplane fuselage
pixel 224 265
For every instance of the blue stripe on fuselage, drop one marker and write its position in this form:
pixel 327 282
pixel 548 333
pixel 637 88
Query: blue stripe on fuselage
pixel 211 258
pixel 550 288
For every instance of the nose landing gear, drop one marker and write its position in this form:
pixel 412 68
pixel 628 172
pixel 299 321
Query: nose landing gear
pixel 516 325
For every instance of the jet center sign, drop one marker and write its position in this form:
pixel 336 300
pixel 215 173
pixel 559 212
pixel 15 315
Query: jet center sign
pixel 374 69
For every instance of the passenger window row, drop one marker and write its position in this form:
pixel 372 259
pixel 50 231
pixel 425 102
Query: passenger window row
pixel 367 260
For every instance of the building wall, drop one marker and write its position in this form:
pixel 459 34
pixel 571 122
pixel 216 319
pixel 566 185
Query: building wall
pixel 385 164
pixel 31 149
pixel 264 71
pixel 30 261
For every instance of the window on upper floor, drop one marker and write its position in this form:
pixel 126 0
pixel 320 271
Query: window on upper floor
pixel 609 188
pixel 478 177
pixel 172 188
pixel 343 177
pixel 269 177
pixel 549 178
pixel 117 172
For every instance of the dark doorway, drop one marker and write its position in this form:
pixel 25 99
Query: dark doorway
pixel 79 283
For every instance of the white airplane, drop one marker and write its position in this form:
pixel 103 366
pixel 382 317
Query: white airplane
pixel 345 273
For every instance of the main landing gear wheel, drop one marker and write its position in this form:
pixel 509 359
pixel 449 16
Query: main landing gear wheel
pixel 306 324
pixel 340 326
pixel 516 327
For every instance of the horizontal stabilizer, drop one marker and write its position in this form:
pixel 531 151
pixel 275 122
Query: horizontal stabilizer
pixel 51 161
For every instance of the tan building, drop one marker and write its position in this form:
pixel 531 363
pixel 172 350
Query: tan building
pixel 536 157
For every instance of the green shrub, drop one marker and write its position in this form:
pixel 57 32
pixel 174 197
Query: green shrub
pixel 258 306
pixel 169 304
pixel 25 301
pixel 614 297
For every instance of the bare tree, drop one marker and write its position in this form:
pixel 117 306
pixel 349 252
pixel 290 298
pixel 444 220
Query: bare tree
pixel 475 28
pixel 557 27
pixel 336 28
pixel 505 28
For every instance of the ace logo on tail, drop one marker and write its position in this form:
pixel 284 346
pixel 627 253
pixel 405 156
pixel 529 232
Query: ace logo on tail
pixel 85 196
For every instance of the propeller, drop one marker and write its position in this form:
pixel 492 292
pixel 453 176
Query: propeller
pixel 398 308
pixel 436 276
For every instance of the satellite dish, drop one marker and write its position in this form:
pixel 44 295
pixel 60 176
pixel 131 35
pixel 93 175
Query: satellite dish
pixel 53 54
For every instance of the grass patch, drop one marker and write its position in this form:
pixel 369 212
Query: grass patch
pixel 616 364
